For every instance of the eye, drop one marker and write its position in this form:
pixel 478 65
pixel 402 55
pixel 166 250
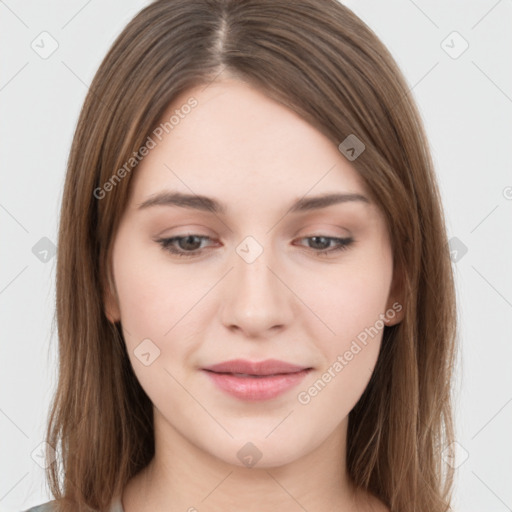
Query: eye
pixel 187 245
pixel 190 245
pixel 340 244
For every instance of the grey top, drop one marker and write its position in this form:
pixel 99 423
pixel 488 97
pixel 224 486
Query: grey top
pixel 49 506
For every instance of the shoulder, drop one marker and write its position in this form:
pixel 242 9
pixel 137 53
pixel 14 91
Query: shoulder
pixel 369 502
pixel 49 506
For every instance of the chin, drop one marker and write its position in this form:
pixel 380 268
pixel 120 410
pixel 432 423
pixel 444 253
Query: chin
pixel 259 452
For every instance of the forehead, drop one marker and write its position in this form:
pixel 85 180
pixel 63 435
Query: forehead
pixel 238 143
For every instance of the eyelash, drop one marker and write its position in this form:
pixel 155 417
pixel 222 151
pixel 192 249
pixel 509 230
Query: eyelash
pixel 166 244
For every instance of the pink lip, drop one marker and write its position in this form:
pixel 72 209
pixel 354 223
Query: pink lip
pixel 267 367
pixel 275 377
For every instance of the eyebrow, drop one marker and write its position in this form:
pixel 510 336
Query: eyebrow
pixel 208 204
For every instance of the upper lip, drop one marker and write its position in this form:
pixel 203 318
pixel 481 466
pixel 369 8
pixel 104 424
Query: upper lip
pixel 267 367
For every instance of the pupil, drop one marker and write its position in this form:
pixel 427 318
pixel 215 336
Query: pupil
pixel 316 238
pixel 189 239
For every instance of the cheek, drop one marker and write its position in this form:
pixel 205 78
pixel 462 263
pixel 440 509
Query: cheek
pixel 350 347
pixel 149 308
pixel 154 306
pixel 350 298
pixel 153 295
pixel 350 303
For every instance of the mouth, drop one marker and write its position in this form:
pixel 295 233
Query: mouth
pixel 255 387
pixel 248 375
pixel 246 368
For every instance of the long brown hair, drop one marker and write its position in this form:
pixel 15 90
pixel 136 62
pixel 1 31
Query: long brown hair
pixel 320 60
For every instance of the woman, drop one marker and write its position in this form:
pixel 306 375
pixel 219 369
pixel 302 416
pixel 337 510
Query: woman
pixel 255 299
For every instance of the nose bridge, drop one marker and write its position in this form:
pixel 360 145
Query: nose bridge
pixel 252 266
pixel 257 300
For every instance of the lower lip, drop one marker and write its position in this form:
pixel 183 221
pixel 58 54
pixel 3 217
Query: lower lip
pixel 256 388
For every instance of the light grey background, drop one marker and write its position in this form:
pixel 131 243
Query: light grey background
pixel 466 104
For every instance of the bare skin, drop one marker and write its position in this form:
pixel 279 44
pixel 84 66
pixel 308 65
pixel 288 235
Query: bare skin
pixel 291 303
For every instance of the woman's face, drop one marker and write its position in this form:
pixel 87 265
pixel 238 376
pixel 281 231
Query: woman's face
pixel 252 282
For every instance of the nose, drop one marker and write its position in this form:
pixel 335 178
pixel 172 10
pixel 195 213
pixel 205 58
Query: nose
pixel 258 300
